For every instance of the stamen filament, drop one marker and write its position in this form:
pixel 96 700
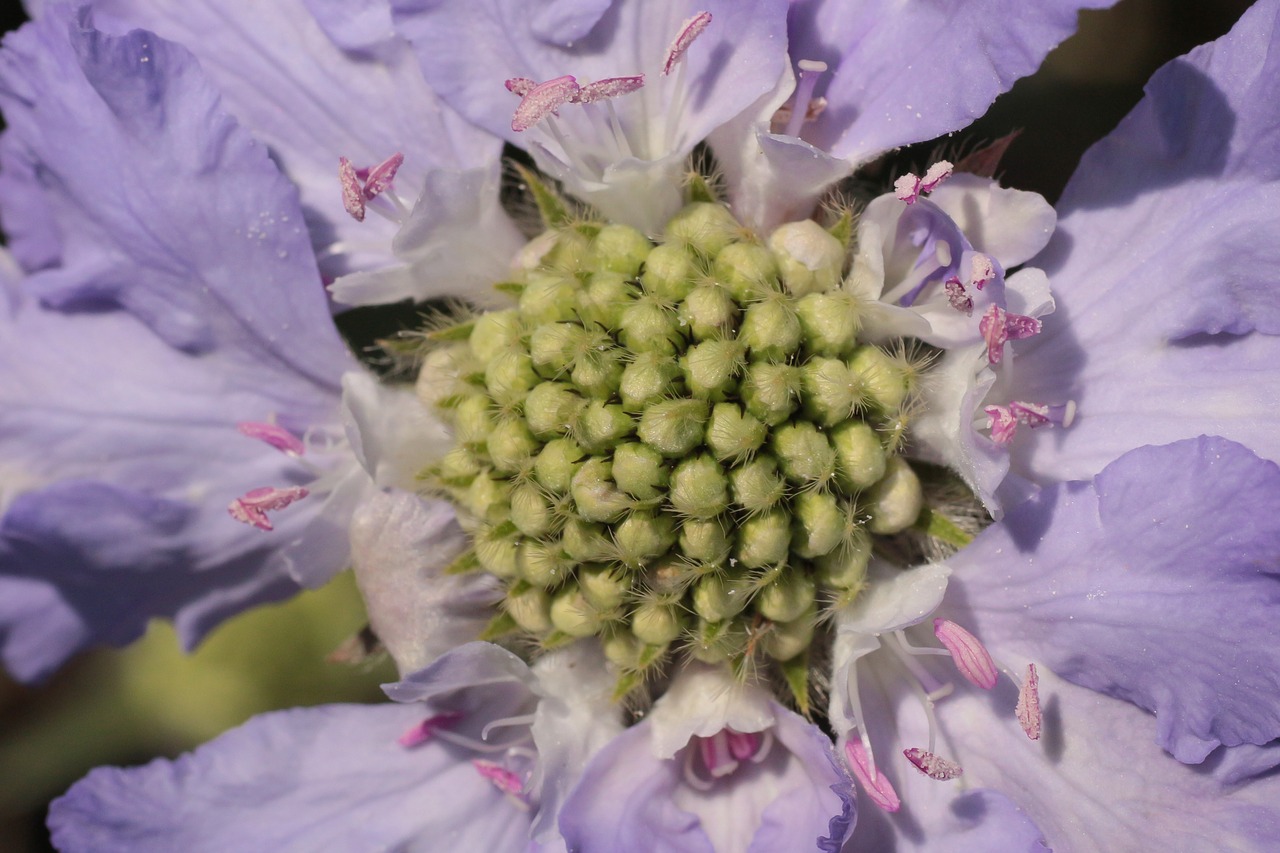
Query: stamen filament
pixel 809 71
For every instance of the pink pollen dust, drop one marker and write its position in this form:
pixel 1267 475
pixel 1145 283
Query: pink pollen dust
pixel 609 87
pixel 352 192
pixel 689 32
pixel 970 656
pixel 933 766
pixel 278 437
pixel 543 100
pixel 999 327
pixel 1028 707
pixel 909 187
pixel 502 778
pixel 253 507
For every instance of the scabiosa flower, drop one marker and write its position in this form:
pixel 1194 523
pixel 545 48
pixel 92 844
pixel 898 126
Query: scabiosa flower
pixel 677 439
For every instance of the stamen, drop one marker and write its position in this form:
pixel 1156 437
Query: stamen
pixel 909 187
pixel 381 175
pixel 609 87
pixel 502 778
pixel 689 31
pixel 1028 707
pixel 716 754
pixel 278 437
pixel 876 785
pixel 970 656
pixel 743 745
pixel 958 297
pixel 520 85
pixel 253 507
pixel 352 192
pixel 506 722
pixel 426 730
pixel 981 271
pixel 999 326
pixel 1003 420
pixel 543 100
pixel 933 766
pixel 809 72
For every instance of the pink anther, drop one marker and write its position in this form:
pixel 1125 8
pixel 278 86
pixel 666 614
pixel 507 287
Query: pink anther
pixel 543 100
pixel 909 187
pixel 352 192
pixel 381 175
pixel 520 85
pixel 1002 423
pixel 278 437
pixel 999 326
pixel 1028 707
pixel 717 755
pixel 936 174
pixel 876 785
pixel 609 87
pixel 253 507
pixel 981 271
pixel 502 778
pixel 743 745
pixel 933 766
pixel 426 730
pixel 1004 420
pixel 958 296
pixel 689 31
pixel 970 656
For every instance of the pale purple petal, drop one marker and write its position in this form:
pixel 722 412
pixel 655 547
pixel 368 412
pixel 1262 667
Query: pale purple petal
pixel 391 434
pixel 478 680
pixel 1164 270
pixel 331 778
pixel 26 216
pixel 907 72
pixel 360 26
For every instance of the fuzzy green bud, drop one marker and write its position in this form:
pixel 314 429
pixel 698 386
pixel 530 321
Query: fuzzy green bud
pixel 674 427
pixel 860 457
pixel 733 435
pixel 458 468
pixel 619 248
pixel 639 470
pixel 497 553
pixel 510 376
pixel 624 650
pixel 487 498
pixel 440 376
pixel 556 464
pixel 473 421
pixel 669 273
pixel 598 370
pixel 747 270
pixel 708 312
pixel 846 567
pixel 571 248
pixel 572 614
pixel 595 494
pixel 647 325
pixel 649 378
pixel 829 323
pixel 717 598
pixel 587 542
pixel 804 454
pixel 817 523
pixel 602 425
pixel 705 540
pixel 831 391
pixel 757 485
pixel 717 642
pixel 699 488
pixel 655 624
pixel 705 226
pixel 530 607
pixel 552 409
pixel 771 392
pixel 810 259
pixel 605 298
pixel 494 332
pixel 542 563
pixel 552 348
pixel 787 598
pixel 883 378
pixel 764 539
pixel 785 640
pixel 771 330
pixel 895 502
pixel 711 368
pixel 604 587
pixel 511 446
pixel 548 297
pixel 531 512
pixel 642 536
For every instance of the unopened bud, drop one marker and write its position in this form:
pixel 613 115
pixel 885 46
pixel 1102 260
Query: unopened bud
pixel 785 640
pixel 605 298
pixel 733 435
pixel 573 615
pixel 709 312
pixel 860 457
pixel 674 427
pixel 510 376
pixel 556 464
pixel 487 498
pixel 787 598
pixel 542 564
pixel 552 348
pixel 623 649
pixel 497 554
pixel 494 332
pixel 530 607
pixel 648 379
pixel 818 524
pixel 642 536
pixel 757 485
pixel 699 488
pixel 639 470
pixel 804 454
pixel 595 494
pixel 704 226
pixel 604 587
pixel 602 425
pixel 705 540
pixel 718 642
pixel 440 376
pixel 711 368
pixel 511 446
pixel 895 502
pixel 587 542
pixel 831 390
pixel 747 270
pixel 764 539
pixel 552 408
pixel 647 326
pixel 771 330
pixel 598 370
pixel 771 392
pixel 810 259
pixel 669 273
pixel 655 624
pixel 884 380
pixel 829 323
pixel 531 512
pixel 619 248
pixel 548 297
pixel 717 598
pixel 473 420
pixel 846 567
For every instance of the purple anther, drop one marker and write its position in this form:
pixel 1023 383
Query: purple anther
pixel 958 296
pixel 743 745
pixel 253 507
pixel 716 754
pixel 970 656
pixel 278 437
pixel 609 87
pixel 981 271
pixel 1004 420
pixel 689 31
pixel 502 778
pixel 933 766
pixel 808 72
pixel 543 100
pixel 875 784
pixel 1028 707
pixel 426 730
pixel 520 85
pixel 999 326
pixel 381 175
pixel 352 192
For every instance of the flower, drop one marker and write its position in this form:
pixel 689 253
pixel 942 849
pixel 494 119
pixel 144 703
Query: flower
pixel 770 429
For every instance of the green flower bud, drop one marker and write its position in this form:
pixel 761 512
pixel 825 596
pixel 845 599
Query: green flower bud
pixel 587 542
pixel 639 470
pixel 595 494
pixel 649 378
pixel 804 454
pixel 530 607
pixel 570 249
pixel 531 511
pixel 552 348
pixel 556 464
pixel 619 248
pixel 552 409
pixel 647 325
pixel 884 380
pixel 846 567
pixel 757 486
pixel 623 649
pixel 817 521
pixel 473 420
pixel 440 376
pixel 602 425
pixel 604 587
pixel 542 563
pixel 511 446
pixel 510 376
pixel 495 331
pixel 786 598
pixel 458 468
pixel 705 540
pixel 717 598
pixel 860 457
pixel 711 368
pixel 732 435
pixel 785 640
pixel 747 270
pixel 811 260
pixel 667 578
pixel 771 330
pixel 832 392
pixel 708 312
pixel 771 392
pixel 598 372
pixel 487 498
pixel 674 427
pixel 895 502
pixel 549 297
pixel 669 272
pixel 699 488
pixel 496 553
pixel 705 226
pixel 655 624
pixel 605 298
pixel 642 536
pixel 764 539
pixel 829 323
pixel 573 615
pixel 718 642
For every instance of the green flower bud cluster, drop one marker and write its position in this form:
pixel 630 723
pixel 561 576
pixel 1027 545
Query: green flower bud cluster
pixel 680 445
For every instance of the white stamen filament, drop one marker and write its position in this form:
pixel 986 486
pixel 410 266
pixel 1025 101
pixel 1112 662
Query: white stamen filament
pixel 478 745
pixel 810 70
pixel 855 702
pixel 522 720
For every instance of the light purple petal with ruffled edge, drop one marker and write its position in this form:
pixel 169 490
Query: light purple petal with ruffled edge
pixel 907 72
pixel 311 103
pixel 1157 583
pixel 331 778
pixel 1164 268
pixel 26 217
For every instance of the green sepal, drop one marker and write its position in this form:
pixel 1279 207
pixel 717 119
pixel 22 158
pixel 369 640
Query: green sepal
pixel 551 207
pixel 499 626
pixel 555 640
pixel 451 402
pixel 796 673
pixel 452 333
pixel 511 288
pixel 935 524
pixel 463 563
pixel 699 189
pixel 627 682
pixel 842 228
